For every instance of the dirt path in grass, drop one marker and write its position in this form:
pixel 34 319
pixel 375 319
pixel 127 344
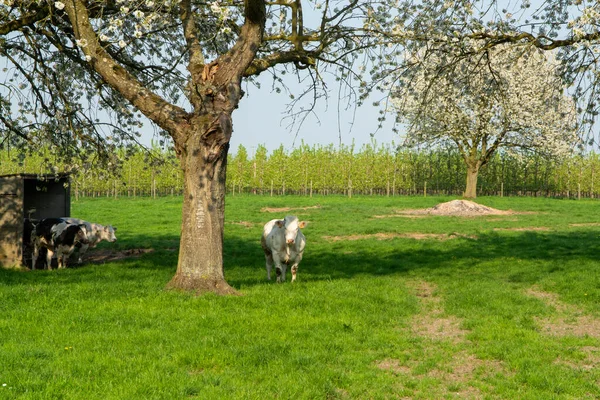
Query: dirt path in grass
pixel 568 321
pixel 453 376
pixel 431 322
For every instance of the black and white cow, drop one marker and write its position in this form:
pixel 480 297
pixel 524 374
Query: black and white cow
pixel 283 244
pixel 95 234
pixel 56 236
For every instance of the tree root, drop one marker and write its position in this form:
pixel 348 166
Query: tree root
pixel 200 286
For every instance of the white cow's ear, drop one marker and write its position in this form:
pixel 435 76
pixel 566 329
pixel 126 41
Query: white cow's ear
pixel 279 223
pixel 302 224
pixel 114 228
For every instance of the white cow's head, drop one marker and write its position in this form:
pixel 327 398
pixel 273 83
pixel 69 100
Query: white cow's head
pixel 108 233
pixel 291 225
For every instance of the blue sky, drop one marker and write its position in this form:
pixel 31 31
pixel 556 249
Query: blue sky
pixel 260 120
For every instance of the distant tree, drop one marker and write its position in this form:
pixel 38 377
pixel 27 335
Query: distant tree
pixel 568 29
pixel 508 97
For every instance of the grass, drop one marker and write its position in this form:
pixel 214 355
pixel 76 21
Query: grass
pixel 490 314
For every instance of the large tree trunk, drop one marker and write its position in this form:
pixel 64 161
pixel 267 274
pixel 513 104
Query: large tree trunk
pixel 471 190
pixel 204 163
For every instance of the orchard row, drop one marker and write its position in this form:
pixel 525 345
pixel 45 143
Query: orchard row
pixel 371 169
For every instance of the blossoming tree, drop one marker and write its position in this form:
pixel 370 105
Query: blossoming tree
pixel 507 97
pixel 79 72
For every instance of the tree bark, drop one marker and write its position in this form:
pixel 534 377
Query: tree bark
pixel 204 163
pixel 471 189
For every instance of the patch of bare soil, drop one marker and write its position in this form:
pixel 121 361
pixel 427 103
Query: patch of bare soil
pixel 463 368
pixel 461 208
pixel 586 224
pixel 431 322
pixel 590 360
pixel 390 364
pixel 390 235
pixel 102 256
pixel 569 321
pixel 286 209
pixel 246 224
pixel 454 376
pixel 524 229
pixel 399 216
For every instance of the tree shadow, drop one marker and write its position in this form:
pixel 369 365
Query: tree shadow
pixel 244 261
pixel 331 261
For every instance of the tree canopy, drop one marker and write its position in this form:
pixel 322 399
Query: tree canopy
pixel 509 96
pixel 80 74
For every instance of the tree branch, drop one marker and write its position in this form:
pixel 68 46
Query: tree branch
pixel 164 114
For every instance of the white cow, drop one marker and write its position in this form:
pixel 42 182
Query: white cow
pixel 283 243
pixel 95 234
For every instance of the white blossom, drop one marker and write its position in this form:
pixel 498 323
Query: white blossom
pixel 122 44
pixel 59 5
pixel 522 103
pixel 82 42
pixel 215 8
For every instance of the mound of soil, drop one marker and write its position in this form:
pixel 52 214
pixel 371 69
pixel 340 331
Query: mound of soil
pixel 462 208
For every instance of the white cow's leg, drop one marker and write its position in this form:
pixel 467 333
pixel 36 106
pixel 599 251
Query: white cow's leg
pixel 283 269
pixel 269 263
pixel 295 267
pixel 279 268
pixel 49 259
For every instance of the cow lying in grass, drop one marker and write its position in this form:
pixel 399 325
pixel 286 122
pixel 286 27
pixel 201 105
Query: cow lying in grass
pixel 56 236
pixel 95 234
pixel 283 244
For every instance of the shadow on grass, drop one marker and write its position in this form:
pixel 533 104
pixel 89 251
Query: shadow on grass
pixel 244 259
pixel 345 260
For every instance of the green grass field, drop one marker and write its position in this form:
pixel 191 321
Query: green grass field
pixel 499 307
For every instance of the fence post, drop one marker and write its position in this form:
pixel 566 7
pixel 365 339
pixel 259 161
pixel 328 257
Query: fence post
pixel 271 187
pixel 501 189
pixel 311 188
pixel 425 189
